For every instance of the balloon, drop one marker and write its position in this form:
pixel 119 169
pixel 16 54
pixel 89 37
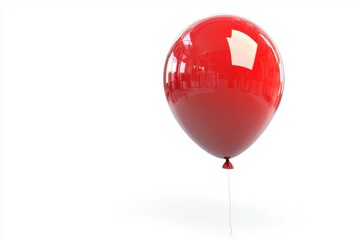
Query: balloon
pixel 223 80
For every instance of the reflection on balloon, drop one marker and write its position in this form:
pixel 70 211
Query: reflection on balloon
pixel 223 80
pixel 242 49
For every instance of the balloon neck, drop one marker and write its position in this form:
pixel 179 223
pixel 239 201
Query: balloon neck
pixel 227 164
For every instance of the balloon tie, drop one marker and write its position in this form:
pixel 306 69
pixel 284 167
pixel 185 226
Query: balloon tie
pixel 228 164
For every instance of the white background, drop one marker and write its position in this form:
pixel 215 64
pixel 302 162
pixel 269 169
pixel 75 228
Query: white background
pixel 90 150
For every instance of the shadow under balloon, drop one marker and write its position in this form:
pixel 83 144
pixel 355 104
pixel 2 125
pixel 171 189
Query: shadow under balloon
pixel 212 215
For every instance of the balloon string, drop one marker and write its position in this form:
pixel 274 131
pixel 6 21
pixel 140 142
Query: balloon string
pixel 228 175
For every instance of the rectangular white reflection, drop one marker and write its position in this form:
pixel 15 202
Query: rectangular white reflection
pixel 243 49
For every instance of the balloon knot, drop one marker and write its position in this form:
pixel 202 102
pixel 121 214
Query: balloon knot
pixel 228 164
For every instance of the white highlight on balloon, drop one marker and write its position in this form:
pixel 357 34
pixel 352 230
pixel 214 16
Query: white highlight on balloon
pixel 243 49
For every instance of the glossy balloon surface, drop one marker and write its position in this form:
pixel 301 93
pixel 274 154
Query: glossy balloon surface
pixel 223 80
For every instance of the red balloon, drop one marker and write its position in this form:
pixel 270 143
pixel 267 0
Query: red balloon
pixel 223 80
